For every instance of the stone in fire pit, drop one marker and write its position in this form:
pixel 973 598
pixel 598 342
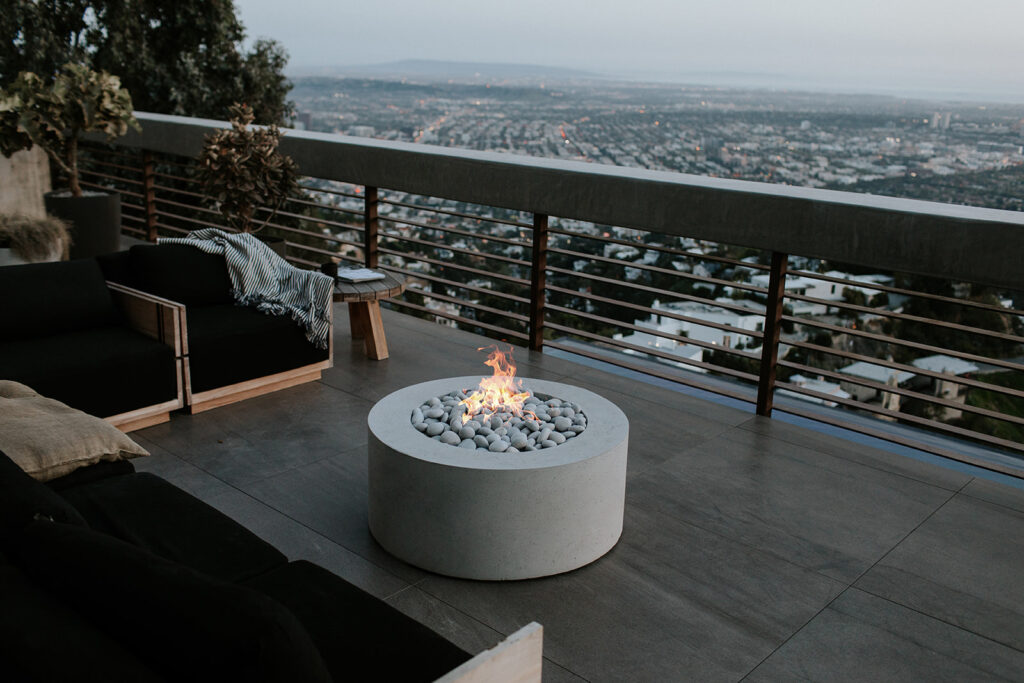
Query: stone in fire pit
pixel 480 514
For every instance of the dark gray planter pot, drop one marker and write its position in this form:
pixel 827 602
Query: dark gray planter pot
pixel 276 244
pixel 95 221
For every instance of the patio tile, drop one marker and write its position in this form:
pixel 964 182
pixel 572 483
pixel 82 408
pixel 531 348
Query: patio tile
pixel 298 542
pixel 671 601
pixel 329 496
pixel 864 638
pixel 963 566
pixel 468 633
pixel 821 512
pixel 994 492
pixel 866 455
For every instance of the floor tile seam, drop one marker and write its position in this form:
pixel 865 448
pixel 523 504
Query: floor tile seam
pixel 745 545
pixel 935 617
pixel 796 632
pixel 968 494
pixel 344 391
pixel 302 524
pixel 907 535
pixel 877 468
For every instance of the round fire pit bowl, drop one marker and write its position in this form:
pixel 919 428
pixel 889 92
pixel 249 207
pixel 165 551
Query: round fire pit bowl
pixel 496 516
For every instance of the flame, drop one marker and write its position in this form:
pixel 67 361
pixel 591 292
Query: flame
pixel 499 393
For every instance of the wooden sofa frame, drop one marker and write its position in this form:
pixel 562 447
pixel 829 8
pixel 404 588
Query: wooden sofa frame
pixel 158 319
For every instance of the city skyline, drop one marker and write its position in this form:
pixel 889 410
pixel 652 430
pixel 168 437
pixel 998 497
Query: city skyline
pixel 908 48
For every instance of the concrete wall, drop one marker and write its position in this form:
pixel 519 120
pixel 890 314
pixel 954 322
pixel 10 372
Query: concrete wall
pixel 23 180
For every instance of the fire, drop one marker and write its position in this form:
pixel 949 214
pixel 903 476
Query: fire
pixel 499 393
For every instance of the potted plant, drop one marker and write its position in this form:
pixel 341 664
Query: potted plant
pixel 54 115
pixel 241 170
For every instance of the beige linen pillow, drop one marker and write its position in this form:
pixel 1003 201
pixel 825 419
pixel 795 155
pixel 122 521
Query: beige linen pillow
pixel 49 439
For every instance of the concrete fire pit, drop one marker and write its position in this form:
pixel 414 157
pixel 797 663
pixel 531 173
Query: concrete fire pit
pixel 496 516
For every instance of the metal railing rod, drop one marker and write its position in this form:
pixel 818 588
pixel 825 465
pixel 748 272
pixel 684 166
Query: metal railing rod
pixel 339 193
pixel 458 214
pixel 655 269
pixel 173 228
pixel 456 250
pixel 107 188
pixel 647 351
pixel 656 311
pixel 327 207
pixel 881 312
pixel 94 148
pixel 906 417
pixel 315 250
pixel 456 231
pixel 892 365
pixel 108 176
pixel 653 372
pixel 190 207
pixel 427 294
pixel 582 315
pixel 654 290
pixel 886 339
pixel 909 292
pixel 180 178
pixel 412 274
pixel 663 249
pixel 109 164
pixel 467 321
pixel 878 386
pixel 466 269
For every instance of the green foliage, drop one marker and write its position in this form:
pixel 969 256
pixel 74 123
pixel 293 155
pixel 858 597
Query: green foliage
pixel 241 170
pixel 1009 405
pixel 182 58
pixel 54 114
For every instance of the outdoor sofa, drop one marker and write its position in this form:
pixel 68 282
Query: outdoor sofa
pixel 231 352
pixel 108 574
pixel 107 350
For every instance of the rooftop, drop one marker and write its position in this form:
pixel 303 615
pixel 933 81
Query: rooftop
pixel 752 549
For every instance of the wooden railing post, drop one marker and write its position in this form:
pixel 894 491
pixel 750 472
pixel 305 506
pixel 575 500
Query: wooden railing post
pixel 149 192
pixel 772 327
pixel 370 224
pixel 538 280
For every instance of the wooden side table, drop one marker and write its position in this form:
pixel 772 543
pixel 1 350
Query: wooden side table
pixel 363 299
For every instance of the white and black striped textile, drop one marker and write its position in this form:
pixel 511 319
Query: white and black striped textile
pixel 261 278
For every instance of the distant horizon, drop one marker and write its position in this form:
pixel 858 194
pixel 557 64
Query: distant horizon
pixel 943 49
pixel 725 79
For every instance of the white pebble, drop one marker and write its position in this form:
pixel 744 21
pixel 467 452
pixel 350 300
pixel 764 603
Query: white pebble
pixel 562 423
pixel 450 438
pixel 481 441
pixel 468 443
pixel 435 412
pixel 435 428
pixel 498 446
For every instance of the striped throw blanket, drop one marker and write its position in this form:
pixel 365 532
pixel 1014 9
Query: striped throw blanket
pixel 261 278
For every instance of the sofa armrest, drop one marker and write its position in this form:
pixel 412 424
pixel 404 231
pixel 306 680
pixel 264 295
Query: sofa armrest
pixel 517 659
pixel 154 316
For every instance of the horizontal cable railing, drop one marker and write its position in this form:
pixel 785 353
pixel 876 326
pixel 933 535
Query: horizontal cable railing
pixel 894 318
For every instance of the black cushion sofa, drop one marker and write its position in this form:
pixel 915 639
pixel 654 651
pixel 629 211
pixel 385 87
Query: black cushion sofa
pixel 105 350
pixel 232 352
pixel 108 574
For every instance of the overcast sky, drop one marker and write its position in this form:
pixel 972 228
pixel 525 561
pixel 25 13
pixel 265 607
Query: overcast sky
pixel 903 47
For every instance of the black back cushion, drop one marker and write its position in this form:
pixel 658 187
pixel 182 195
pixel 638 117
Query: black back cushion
pixel 185 625
pixel 181 273
pixel 43 299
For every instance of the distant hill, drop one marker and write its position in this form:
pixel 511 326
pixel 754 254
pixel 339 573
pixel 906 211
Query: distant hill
pixel 435 69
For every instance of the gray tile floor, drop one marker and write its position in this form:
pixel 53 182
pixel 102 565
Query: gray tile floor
pixel 753 549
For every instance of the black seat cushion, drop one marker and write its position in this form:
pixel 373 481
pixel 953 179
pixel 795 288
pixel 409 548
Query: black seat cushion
pixel 102 371
pixel 40 299
pixel 229 344
pixel 149 512
pixel 22 499
pixel 360 637
pixel 187 626
pixel 43 639
pixel 181 273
